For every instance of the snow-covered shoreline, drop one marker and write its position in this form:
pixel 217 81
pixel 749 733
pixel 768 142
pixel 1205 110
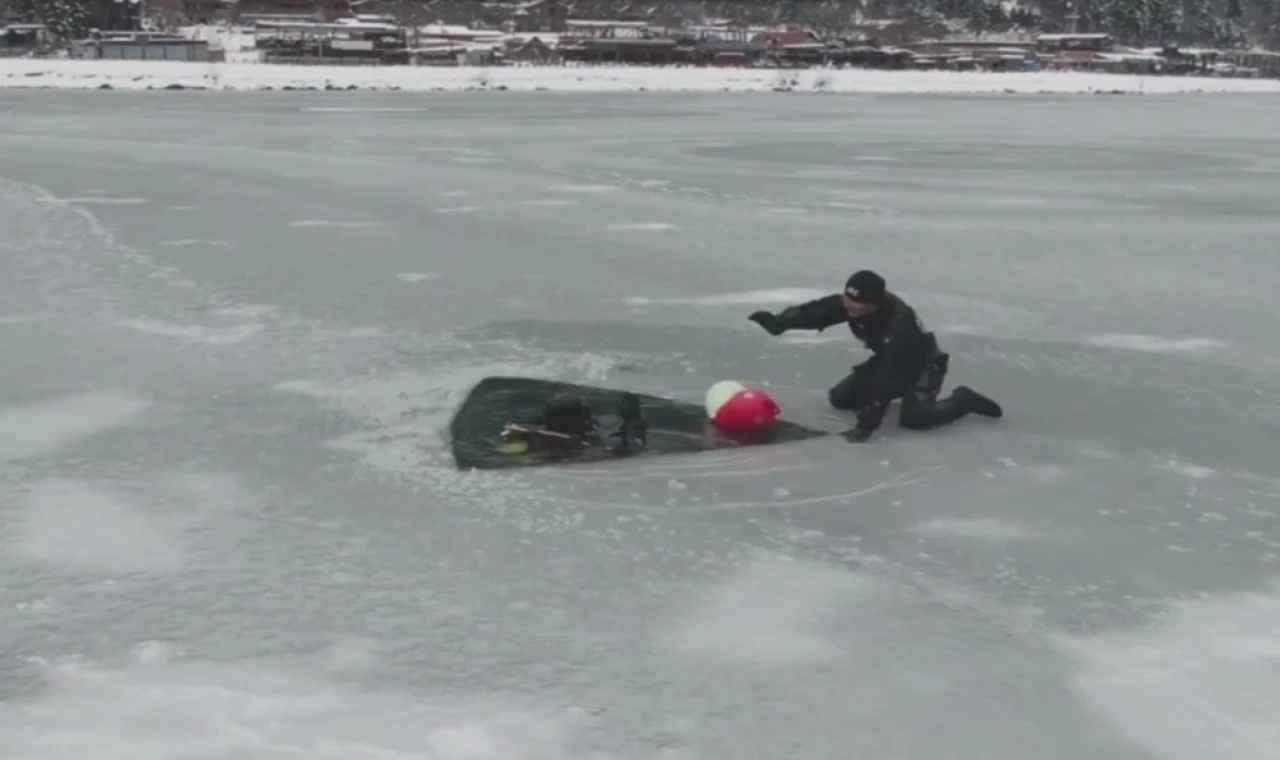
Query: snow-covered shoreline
pixel 30 73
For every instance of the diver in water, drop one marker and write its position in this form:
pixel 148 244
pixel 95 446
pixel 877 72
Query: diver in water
pixel 906 361
pixel 567 429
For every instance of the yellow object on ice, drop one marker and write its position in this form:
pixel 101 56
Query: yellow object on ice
pixel 513 447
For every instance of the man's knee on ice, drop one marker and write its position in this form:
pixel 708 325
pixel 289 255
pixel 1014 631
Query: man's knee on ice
pixel 840 398
pixel 914 416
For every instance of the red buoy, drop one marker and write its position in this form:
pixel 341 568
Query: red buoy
pixel 735 408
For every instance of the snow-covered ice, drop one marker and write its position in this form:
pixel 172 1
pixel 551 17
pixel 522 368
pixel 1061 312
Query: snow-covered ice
pixel 192 242
pixel 414 277
pixel 771 612
pixel 643 227
pixel 230 528
pixel 42 427
pixel 341 224
pixel 143 75
pixel 193 333
pixel 104 200
pixel 1201 667
pixel 74 524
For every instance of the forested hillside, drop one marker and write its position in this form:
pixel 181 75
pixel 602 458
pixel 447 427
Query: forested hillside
pixel 1211 23
pixel 1217 23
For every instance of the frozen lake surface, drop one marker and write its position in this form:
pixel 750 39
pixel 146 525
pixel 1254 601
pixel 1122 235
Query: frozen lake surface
pixel 234 327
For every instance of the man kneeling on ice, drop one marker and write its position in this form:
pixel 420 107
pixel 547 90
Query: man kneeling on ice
pixel 906 362
pixel 568 430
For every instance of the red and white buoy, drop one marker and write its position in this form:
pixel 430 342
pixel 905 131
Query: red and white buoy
pixel 734 408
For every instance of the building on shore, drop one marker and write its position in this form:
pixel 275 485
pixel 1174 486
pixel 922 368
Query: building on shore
pixel 141 46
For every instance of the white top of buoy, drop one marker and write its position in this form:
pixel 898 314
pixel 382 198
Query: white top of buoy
pixel 720 393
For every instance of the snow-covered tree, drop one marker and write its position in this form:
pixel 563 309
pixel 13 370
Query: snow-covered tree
pixel 18 11
pixel 1142 22
pixel 67 19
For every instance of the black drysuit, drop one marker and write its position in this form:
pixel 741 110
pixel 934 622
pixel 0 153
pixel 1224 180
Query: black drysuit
pixel 906 363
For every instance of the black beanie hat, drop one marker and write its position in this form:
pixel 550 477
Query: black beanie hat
pixel 865 286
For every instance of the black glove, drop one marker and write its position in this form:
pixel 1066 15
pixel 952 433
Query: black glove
pixel 629 438
pixel 857 435
pixel 869 418
pixel 768 321
pixel 871 415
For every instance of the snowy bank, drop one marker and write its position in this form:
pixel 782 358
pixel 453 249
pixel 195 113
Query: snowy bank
pixel 144 75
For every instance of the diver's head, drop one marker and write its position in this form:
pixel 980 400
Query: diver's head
pixel 567 414
pixel 863 294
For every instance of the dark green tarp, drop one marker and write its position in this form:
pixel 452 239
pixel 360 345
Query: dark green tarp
pixel 674 427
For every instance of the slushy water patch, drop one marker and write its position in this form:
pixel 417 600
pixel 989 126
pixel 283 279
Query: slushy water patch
pixel 1201 682
pixel 401 416
pixel 772 612
pixel 399 419
pixel 44 427
pixel 162 706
